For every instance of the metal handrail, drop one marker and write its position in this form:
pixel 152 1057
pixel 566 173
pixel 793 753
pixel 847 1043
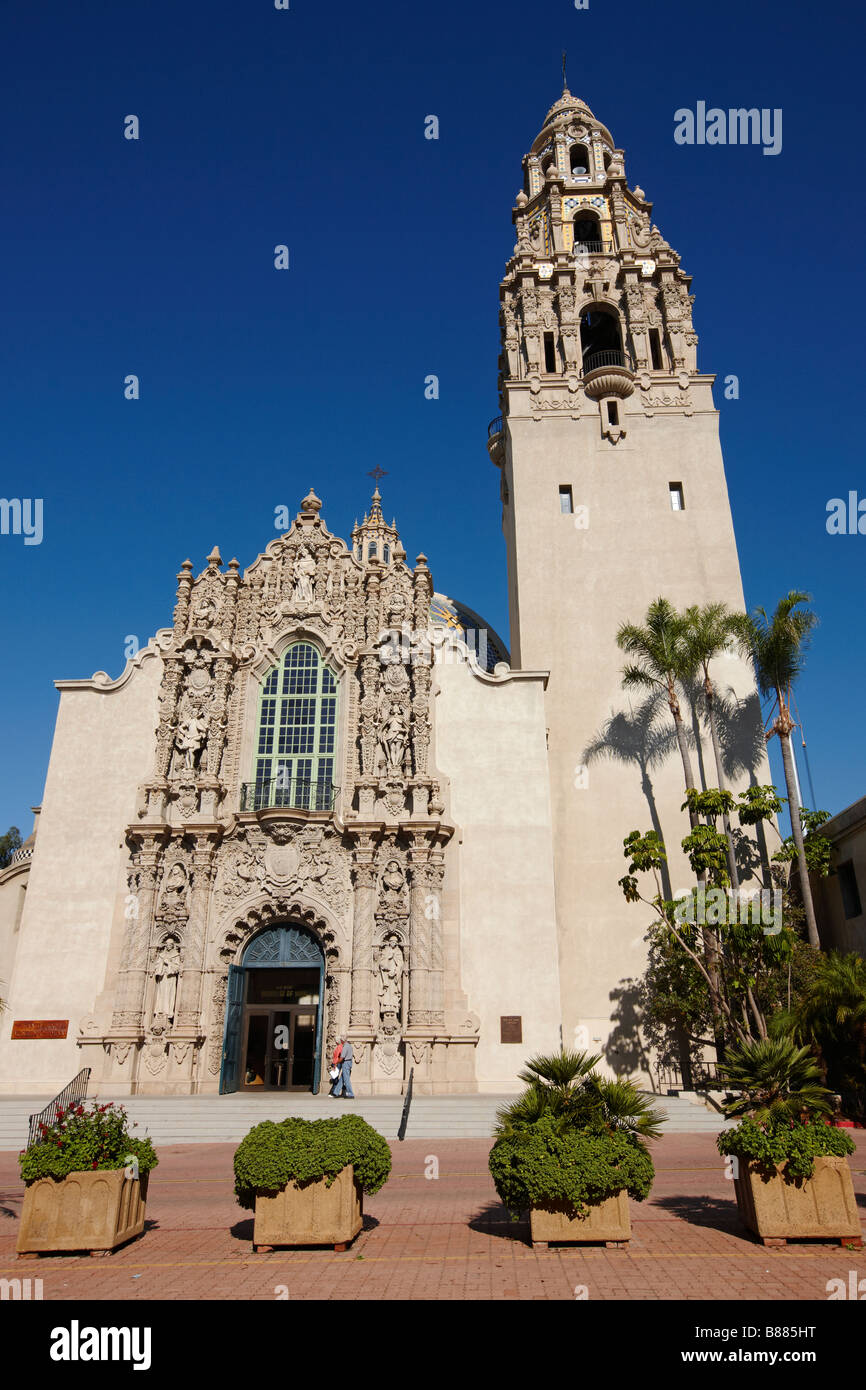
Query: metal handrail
pixel 611 357
pixel 295 793
pixel 70 1095
pixel 404 1118
pixel 582 248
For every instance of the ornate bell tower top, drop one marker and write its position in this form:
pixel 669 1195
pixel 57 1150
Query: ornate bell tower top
pixel 374 539
pixel 592 285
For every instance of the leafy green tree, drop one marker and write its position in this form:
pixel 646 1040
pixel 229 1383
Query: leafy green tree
pixel 9 843
pixel 776 646
pixel 662 659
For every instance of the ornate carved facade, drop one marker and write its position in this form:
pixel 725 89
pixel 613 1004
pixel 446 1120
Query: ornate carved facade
pixel 219 849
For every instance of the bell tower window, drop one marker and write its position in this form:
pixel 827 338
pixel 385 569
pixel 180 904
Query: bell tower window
pixel 579 161
pixel 297 733
pixel 587 234
pixel 600 339
pixel 550 364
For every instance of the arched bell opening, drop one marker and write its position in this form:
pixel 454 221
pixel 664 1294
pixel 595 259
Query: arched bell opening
pixel 600 339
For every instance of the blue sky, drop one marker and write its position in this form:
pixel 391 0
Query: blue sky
pixel 306 127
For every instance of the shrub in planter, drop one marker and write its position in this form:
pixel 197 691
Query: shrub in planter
pixel 571 1149
pixel 86 1181
pixel 305 1179
pixel 792 1177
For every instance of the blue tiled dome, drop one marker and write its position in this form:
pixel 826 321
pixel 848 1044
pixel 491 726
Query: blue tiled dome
pixel 478 635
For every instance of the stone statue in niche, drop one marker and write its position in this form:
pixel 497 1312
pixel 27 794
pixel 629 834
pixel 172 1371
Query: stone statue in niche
pixel 390 975
pixel 190 741
pixel 169 962
pixel 303 573
pixel 393 883
pixel 174 889
pixel 393 739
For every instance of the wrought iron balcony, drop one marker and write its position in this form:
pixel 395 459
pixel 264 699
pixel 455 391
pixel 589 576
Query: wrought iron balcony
pixel 495 427
pixel 611 357
pixel 592 248
pixel 294 793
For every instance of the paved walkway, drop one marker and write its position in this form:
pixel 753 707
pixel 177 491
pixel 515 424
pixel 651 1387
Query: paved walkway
pixel 439 1238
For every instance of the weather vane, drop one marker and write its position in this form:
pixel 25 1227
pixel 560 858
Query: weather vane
pixel 378 473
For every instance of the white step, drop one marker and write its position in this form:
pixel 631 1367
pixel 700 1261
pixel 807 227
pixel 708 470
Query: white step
pixel 226 1119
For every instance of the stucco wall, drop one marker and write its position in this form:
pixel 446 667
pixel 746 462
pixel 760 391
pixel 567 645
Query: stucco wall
pixel 577 585
pixel 102 749
pixel 490 743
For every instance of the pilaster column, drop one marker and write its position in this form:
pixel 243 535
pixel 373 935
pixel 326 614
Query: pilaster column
pixel 434 874
pixel 419 939
pixel 364 876
pixel 132 979
pixel 189 995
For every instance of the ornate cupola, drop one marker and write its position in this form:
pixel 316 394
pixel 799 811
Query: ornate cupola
pixel 374 539
pixel 593 301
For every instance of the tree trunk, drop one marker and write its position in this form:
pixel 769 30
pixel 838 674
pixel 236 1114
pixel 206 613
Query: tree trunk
pixel 720 777
pixel 796 825
pixel 708 936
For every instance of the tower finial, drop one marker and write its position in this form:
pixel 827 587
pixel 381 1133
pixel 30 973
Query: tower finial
pixel 564 81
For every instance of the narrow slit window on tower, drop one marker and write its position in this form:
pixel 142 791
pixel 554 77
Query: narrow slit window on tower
pixel 387 554
pixel 612 413
pixel 566 505
pixel 549 353
pixel 655 349
pixel 677 500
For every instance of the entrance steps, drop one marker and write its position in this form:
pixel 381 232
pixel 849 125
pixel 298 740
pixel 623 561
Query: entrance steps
pixel 226 1119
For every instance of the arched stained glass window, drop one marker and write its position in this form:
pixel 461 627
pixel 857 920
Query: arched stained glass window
pixel 297 733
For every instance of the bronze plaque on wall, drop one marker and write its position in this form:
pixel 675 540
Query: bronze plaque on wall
pixel 40 1028
pixel 511 1028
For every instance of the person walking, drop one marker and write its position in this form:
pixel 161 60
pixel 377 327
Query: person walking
pixel 334 1072
pixel 343 1084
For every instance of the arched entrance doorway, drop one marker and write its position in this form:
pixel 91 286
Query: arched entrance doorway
pixel 273 1028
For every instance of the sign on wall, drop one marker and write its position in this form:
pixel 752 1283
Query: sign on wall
pixel 40 1028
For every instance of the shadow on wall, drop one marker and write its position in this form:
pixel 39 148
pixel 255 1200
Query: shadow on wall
pixel 644 737
pixel 624 1051
pixel 637 737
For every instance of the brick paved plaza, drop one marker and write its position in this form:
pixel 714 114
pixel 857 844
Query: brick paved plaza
pixel 445 1238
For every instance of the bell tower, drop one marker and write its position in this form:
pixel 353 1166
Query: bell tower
pixel 613 493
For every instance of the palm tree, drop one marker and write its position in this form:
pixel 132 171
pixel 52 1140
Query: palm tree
pixel 661 660
pixel 708 631
pixel 835 1002
pixel 779 1081
pixel 566 1087
pixel 775 647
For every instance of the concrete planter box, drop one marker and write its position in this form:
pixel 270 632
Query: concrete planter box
pixel 779 1209
pixel 607 1221
pixel 94 1211
pixel 314 1214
